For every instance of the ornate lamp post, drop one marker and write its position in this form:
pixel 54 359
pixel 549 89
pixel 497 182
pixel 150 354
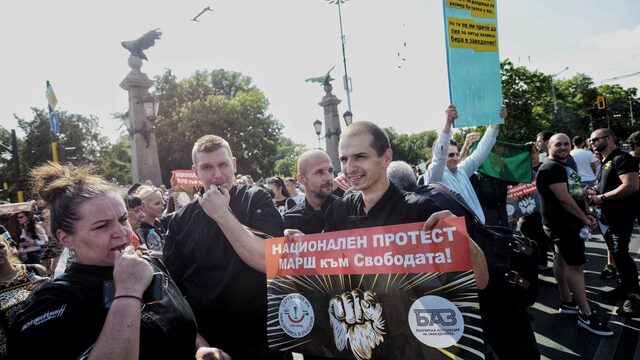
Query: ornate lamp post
pixel 348 118
pixel 317 126
pixel 143 110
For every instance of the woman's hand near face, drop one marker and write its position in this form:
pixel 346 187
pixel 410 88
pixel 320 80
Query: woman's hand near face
pixel 131 273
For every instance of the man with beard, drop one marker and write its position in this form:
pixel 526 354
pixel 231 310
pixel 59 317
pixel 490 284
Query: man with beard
pixel 617 183
pixel 564 213
pixel 315 173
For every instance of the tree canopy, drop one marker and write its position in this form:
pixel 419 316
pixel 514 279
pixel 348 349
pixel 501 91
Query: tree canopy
pixel 220 102
pixel 76 131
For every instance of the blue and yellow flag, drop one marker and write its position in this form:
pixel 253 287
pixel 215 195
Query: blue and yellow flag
pixel 51 97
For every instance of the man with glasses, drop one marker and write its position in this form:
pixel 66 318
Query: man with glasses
pixel 617 183
pixel 455 174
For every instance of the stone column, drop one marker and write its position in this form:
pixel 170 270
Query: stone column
pixel 331 125
pixel 144 156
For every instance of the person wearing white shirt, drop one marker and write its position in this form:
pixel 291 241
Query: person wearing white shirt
pixel 585 161
pixel 446 167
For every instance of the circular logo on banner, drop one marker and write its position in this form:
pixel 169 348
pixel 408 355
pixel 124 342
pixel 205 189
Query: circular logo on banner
pixel 435 321
pixel 296 315
pixel 510 209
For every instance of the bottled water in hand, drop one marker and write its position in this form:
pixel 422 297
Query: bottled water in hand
pixel 585 233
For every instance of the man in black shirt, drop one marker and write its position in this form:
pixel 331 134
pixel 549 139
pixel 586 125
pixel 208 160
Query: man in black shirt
pixel 216 261
pixel 564 213
pixel 315 172
pixel 365 154
pixel 617 183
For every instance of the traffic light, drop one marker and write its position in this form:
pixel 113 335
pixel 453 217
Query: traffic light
pixel 600 102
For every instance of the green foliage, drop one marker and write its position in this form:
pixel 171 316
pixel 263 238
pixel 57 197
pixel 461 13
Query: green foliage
pixel 617 112
pixel 286 160
pixel 527 95
pixel 115 161
pixel 412 148
pixel 529 100
pixel 220 102
pixel 76 131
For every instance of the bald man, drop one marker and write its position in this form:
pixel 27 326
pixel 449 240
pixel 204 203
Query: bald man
pixel 315 172
pixel 564 213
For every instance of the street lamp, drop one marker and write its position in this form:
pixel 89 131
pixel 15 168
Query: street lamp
pixel 348 117
pixel 347 86
pixel 151 106
pixel 127 123
pixel 317 126
pixel 553 89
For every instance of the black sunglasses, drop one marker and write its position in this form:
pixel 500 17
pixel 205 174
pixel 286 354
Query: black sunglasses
pixel 595 139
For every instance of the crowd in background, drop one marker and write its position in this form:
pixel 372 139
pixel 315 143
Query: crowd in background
pixel 156 230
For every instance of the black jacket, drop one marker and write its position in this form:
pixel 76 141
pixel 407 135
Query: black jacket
pixel 228 297
pixel 63 319
pixel 306 219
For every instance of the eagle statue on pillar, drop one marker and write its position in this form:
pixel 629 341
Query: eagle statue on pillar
pixel 144 42
pixel 323 80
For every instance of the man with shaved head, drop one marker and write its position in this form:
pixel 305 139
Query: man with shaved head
pixel 617 183
pixel 564 213
pixel 315 173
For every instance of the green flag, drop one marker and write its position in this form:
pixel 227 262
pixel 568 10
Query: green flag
pixel 509 162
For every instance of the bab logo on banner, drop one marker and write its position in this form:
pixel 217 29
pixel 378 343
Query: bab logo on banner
pixel 296 315
pixel 436 321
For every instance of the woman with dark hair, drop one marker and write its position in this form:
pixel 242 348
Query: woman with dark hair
pixel 32 238
pixel 281 199
pixel 76 316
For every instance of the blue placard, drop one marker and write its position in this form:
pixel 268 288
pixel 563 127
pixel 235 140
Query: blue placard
pixel 53 121
pixel 473 61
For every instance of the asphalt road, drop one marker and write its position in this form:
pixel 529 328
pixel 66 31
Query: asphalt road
pixel 559 336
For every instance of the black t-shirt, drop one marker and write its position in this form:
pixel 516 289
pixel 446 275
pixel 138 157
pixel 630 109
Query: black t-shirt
pixel 64 319
pixel 306 219
pixel 552 172
pixel 284 205
pixel 153 242
pixel 608 178
pixel 228 297
pixel 394 207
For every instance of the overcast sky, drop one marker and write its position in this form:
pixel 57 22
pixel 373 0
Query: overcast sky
pixel 76 45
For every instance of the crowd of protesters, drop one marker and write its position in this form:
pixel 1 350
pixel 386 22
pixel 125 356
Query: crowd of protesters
pixel 209 249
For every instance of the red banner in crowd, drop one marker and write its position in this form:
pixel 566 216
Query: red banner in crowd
pixel 390 292
pixel 395 249
pixel 185 178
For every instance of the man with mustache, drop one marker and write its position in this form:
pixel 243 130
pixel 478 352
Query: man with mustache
pixel 315 172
